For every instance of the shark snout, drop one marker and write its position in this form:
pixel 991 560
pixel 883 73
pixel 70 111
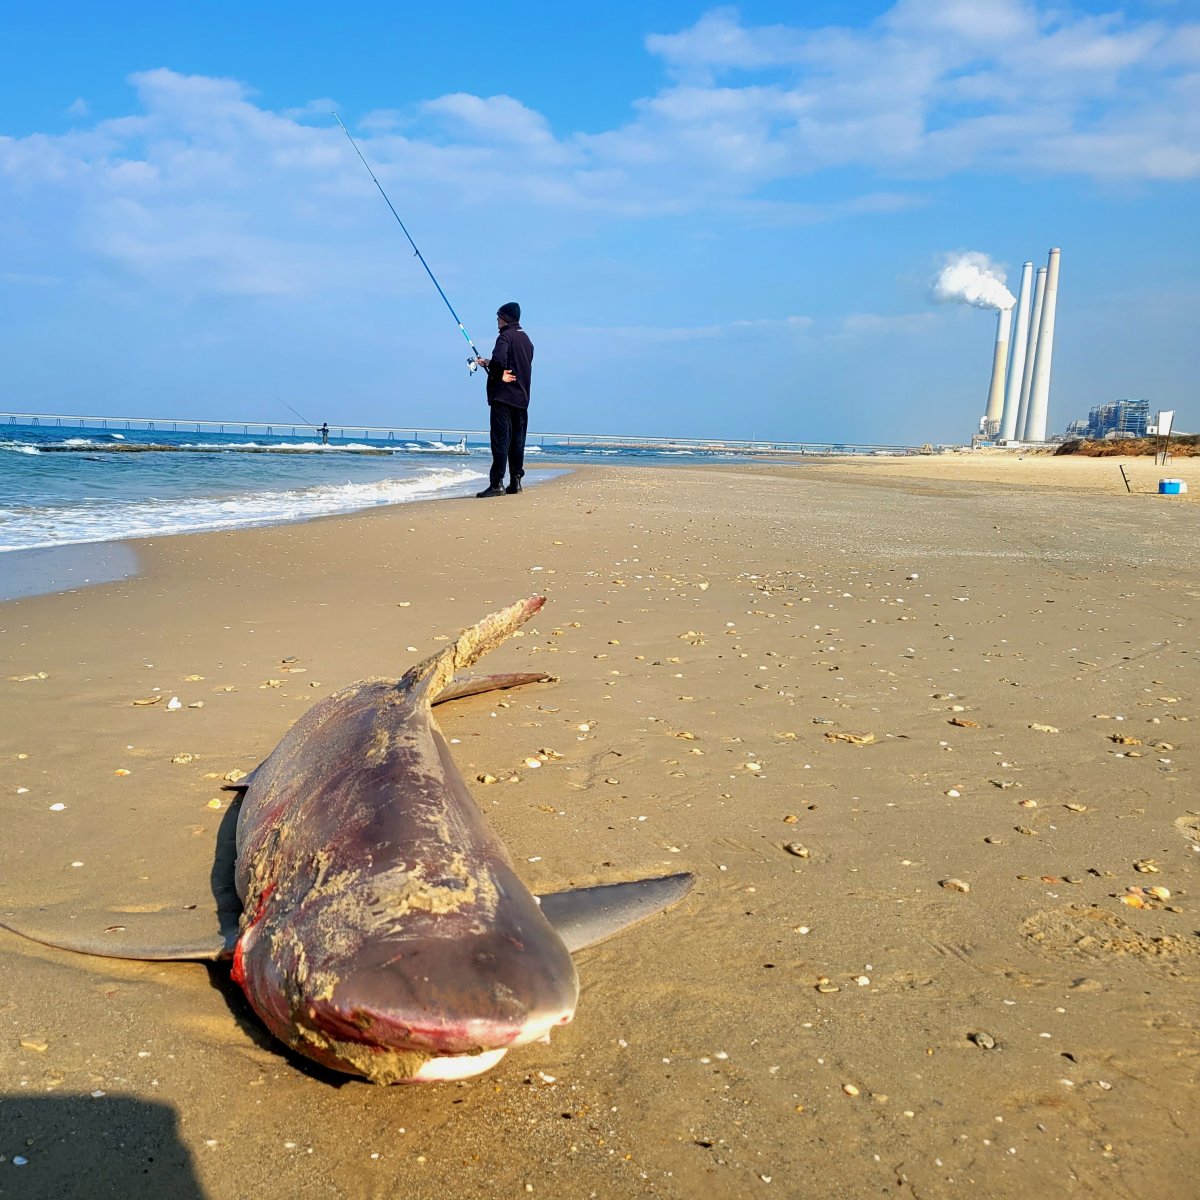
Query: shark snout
pixel 443 997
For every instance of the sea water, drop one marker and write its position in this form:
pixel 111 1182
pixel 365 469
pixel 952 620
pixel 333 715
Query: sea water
pixel 63 487
pixel 67 486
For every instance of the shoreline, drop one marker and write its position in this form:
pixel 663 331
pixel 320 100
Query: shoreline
pixel 46 570
pixel 58 568
pixel 912 681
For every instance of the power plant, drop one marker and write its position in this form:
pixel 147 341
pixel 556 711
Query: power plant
pixel 1019 395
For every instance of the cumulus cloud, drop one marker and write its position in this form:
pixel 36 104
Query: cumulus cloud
pixel 939 86
pixel 201 185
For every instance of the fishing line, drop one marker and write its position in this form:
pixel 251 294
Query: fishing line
pixel 471 363
pixel 300 415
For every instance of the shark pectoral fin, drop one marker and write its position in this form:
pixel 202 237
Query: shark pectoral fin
pixel 240 785
pixel 585 916
pixel 473 685
pixel 153 937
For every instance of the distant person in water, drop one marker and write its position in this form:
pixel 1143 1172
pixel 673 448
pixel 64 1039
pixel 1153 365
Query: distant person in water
pixel 508 375
pixel 324 432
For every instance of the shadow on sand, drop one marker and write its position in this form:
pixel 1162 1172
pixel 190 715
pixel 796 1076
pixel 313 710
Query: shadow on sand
pixel 84 1146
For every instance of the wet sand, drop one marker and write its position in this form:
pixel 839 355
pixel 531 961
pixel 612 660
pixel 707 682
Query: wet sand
pixel 1017 661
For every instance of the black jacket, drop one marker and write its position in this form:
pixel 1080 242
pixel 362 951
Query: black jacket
pixel 513 352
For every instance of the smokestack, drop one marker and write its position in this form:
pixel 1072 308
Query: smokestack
pixel 995 403
pixel 1035 321
pixel 1016 370
pixel 1039 396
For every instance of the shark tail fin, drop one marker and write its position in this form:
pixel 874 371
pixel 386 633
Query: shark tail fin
pixel 435 674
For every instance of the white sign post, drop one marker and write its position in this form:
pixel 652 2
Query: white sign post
pixel 1162 430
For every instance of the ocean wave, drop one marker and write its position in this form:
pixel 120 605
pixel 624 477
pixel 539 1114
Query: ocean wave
pixel 19 448
pixel 59 524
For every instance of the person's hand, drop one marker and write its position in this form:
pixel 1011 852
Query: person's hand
pixel 508 377
pixel 482 362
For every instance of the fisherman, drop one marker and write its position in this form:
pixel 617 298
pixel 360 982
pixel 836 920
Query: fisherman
pixel 324 432
pixel 508 375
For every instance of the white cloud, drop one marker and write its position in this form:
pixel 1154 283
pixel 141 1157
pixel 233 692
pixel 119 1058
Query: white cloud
pixel 203 187
pixel 938 86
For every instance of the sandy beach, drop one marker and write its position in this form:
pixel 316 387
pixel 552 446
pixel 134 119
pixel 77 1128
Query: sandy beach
pixel 917 725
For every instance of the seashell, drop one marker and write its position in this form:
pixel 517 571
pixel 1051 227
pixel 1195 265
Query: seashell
pixel 855 739
pixel 955 885
pixel 798 849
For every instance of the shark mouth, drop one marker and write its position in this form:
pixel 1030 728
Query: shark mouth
pixel 396 1054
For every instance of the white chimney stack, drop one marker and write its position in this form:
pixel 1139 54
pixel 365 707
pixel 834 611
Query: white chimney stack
pixel 1039 397
pixel 1035 321
pixel 1016 370
pixel 995 402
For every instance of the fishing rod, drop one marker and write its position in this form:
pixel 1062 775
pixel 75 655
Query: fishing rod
pixel 323 430
pixel 472 365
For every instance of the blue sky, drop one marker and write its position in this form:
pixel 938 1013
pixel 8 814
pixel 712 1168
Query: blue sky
pixel 719 221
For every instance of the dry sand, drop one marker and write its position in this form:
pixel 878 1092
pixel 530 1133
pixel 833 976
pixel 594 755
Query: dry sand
pixel 1032 470
pixel 763 611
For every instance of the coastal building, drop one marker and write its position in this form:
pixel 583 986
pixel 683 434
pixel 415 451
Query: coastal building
pixel 1119 419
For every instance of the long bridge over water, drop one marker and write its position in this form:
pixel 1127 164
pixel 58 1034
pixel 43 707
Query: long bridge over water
pixel 411 433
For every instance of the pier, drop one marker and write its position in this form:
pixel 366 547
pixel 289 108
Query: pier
pixel 399 434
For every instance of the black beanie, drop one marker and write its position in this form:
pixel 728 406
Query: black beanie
pixel 510 311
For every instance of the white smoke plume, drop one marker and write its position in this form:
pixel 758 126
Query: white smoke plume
pixel 972 278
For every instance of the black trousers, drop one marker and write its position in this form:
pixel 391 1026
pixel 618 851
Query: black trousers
pixel 508 442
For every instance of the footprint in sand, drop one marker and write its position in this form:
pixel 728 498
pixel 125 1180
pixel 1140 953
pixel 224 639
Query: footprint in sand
pixel 1096 934
pixel 1189 826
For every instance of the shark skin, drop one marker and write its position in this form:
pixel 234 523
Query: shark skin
pixel 384 931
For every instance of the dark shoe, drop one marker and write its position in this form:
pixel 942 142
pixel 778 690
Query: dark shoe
pixel 491 491
pixel 513 488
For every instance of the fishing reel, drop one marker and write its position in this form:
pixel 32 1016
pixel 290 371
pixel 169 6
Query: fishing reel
pixel 472 366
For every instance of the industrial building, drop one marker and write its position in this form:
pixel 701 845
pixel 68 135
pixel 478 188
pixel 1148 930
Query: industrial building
pixel 1120 419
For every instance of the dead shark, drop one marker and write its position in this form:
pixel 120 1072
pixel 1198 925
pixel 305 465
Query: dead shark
pixel 383 930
